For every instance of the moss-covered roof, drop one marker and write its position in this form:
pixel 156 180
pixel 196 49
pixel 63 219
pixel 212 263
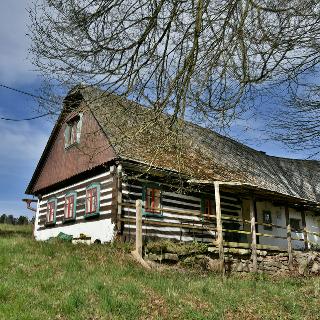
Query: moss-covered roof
pixel 137 134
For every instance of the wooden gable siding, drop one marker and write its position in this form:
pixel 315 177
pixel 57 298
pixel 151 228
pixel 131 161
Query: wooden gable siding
pixel 61 164
pixel 106 183
pixel 173 205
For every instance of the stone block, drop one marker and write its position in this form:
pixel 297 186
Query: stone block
pixel 171 257
pixel 315 268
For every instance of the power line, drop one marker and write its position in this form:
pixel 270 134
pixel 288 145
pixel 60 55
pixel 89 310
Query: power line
pixel 26 119
pixel 24 92
pixel 28 94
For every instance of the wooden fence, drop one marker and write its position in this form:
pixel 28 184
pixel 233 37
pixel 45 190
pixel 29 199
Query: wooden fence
pixel 214 223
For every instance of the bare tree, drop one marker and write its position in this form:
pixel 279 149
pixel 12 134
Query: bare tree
pixel 204 60
pixel 199 58
pixel 297 122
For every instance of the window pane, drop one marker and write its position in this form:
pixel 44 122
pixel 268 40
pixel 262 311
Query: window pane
pixel 153 200
pixel 51 209
pixel 92 200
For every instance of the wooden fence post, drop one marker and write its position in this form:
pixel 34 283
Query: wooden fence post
pixel 289 239
pixel 219 226
pixel 304 226
pixel 139 227
pixel 253 236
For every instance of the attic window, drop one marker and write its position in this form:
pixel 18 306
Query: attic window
pixel 72 131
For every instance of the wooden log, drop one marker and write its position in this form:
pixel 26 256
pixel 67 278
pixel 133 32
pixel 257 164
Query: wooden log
pixel 304 226
pixel 253 237
pixel 289 239
pixel 219 226
pixel 139 227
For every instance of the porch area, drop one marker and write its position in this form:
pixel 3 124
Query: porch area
pixel 253 232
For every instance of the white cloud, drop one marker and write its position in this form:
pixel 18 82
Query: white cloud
pixel 20 142
pixel 21 145
pixel 14 66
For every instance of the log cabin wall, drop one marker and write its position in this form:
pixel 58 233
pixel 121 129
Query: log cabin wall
pixel 278 218
pixel 98 227
pixel 186 210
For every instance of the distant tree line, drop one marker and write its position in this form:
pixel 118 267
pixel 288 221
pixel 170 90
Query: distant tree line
pixel 10 219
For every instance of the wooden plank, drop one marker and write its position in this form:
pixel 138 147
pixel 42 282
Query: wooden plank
pixel 171 224
pixel 270 225
pixel 304 227
pixel 139 227
pixel 313 233
pixel 236 231
pixel 177 211
pixel 248 246
pixel 219 226
pixel 253 236
pixel 289 239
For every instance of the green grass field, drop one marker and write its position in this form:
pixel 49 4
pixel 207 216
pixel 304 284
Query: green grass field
pixel 63 281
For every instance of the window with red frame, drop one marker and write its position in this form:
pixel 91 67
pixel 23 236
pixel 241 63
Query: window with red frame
pixel 153 200
pixel 208 206
pixel 51 211
pixel 69 207
pixel 92 200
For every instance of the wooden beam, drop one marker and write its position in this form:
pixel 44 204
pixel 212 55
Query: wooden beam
pixel 304 226
pixel 219 226
pixel 289 239
pixel 119 198
pixel 139 227
pixel 114 202
pixel 253 236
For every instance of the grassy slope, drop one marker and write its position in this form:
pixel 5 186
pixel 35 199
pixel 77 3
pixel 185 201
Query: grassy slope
pixel 64 281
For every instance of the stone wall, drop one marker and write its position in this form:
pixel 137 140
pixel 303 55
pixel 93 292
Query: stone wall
pixel 204 256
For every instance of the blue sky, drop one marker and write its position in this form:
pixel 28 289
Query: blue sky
pixel 22 143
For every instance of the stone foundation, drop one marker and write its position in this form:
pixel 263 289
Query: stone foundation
pixel 206 257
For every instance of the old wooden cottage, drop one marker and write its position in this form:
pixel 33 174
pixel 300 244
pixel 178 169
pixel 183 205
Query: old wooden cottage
pixel 106 152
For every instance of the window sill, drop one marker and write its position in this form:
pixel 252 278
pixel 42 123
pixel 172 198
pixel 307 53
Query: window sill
pixel 91 215
pixel 50 224
pixel 71 146
pixel 152 214
pixel 68 220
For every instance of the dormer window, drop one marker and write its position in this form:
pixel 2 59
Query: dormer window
pixel 73 131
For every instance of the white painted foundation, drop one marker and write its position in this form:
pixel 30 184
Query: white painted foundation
pixel 102 230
